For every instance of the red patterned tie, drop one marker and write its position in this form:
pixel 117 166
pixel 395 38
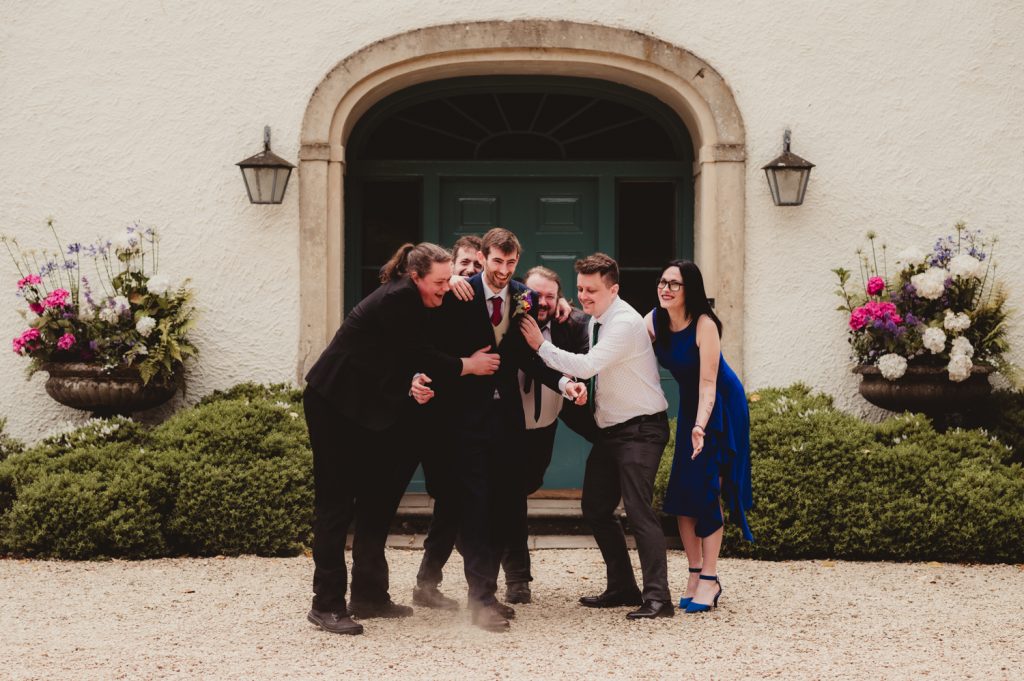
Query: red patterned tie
pixel 496 310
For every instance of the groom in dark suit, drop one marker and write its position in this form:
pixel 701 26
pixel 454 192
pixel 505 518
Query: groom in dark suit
pixel 487 412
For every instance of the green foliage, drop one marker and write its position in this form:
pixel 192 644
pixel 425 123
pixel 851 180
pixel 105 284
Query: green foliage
pixel 275 392
pixel 8 445
pixel 827 484
pixel 231 475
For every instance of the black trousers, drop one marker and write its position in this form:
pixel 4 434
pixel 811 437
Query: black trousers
pixel 623 464
pixel 538 445
pixel 442 535
pixel 358 475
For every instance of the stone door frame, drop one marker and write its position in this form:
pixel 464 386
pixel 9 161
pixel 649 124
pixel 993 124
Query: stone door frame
pixel 687 84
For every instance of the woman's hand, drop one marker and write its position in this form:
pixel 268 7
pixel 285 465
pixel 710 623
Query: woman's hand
pixel 420 391
pixel 481 362
pixel 461 287
pixel 697 440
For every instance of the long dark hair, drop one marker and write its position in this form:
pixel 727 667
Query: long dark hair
pixel 694 298
pixel 413 258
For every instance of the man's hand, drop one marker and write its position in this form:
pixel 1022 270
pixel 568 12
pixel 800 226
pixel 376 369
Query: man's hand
pixel 577 392
pixel 461 287
pixel 481 362
pixel 531 332
pixel 562 310
pixel 420 391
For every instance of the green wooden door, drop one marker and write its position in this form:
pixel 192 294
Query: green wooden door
pixel 556 222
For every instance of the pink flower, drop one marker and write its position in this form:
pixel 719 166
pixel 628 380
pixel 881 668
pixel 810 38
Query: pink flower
pixel 36 307
pixel 875 285
pixel 66 341
pixel 858 318
pixel 21 343
pixel 30 279
pixel 57 298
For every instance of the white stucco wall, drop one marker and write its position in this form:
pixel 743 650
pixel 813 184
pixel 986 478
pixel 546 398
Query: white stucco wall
pixel 113 111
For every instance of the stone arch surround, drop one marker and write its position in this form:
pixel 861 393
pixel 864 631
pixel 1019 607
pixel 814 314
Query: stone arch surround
pixel 687 84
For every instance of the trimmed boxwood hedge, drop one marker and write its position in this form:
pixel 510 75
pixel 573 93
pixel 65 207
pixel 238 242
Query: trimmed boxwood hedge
pixel 233 475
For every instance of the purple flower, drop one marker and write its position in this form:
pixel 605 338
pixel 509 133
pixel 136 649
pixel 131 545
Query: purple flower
pixel 74 248
pixel 912 320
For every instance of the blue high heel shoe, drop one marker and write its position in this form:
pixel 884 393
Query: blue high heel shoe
pixel 692 607
pixel 685 600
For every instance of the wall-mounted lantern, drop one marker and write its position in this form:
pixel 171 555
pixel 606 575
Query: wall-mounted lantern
pixel 788 176
pixel 266 174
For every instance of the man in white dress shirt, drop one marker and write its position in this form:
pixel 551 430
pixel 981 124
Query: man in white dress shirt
pixel 629 407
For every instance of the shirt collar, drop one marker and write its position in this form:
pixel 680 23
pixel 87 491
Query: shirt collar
pixel 488 293
pixel 603 319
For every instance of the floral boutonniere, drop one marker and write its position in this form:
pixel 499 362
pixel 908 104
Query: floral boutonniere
pixel 523 304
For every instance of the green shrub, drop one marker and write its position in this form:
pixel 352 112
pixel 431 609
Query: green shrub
pixel 274 392
pixel 1003 418
pixel 245 480
pixel 108 501
pixel 8 445
pixel 827 484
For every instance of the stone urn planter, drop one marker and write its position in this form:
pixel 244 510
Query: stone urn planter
pixel 924 389
pixel 106 393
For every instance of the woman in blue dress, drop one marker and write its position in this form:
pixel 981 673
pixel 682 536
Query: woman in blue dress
pixel 712 457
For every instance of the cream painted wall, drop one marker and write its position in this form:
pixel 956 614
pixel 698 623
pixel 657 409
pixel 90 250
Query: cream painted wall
pixel 113 111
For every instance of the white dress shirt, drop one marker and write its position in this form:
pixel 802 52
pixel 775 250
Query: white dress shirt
pixel 550 401
pixel 628 383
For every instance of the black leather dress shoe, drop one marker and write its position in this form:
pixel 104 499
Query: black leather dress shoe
pixel 518 592
pixel 428 596
pixel 489 618
pixel 613 599
pixel 334 622
pixel 383 609
pixel 651 609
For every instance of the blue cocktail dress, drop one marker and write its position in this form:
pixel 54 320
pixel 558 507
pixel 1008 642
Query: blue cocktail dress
pixel 693 486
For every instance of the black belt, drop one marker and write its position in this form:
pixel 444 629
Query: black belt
pixel 660 417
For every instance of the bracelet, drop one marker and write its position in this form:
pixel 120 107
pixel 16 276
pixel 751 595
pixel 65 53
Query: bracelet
pixel 697 428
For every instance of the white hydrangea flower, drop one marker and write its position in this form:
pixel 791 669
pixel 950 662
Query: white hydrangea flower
pixel 934 339
pixel 158 284
pixel 966 266
pixel 910 256
pixel 961 346
pixel 930 284
pixel 959 368
pixel 141 349
pixel 956 323
pixel 109 316
pixel 892 366
pixel 86 312
pixel 145 326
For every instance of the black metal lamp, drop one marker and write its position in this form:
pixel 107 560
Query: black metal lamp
pixel 787 176
pixel 266 174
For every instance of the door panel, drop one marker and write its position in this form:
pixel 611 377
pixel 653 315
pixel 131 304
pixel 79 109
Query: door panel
pixel 556 222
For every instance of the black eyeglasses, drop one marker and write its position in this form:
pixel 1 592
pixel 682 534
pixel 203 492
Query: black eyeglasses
pixel 673 286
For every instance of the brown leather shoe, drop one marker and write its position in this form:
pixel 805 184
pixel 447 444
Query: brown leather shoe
pixel 428 596
pixel 504 610
pixel 489 618
pixel 334 622
pixel 518 592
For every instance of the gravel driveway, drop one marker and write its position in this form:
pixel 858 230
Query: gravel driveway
pixel 244 618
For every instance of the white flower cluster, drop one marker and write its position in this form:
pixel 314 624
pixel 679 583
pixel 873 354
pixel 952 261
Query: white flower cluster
pixel 966 266
pixel 934 339
pixel 930 284
pixel 956 323
pixel 158 284
pixel 121 304
pixel 892 366
pixel 86 312
pixel 109 315
pixel 145 326
pixel 910 256
pixel 960 364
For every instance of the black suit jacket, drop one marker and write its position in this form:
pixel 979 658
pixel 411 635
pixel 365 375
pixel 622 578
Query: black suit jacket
pixel 366 369
pixel 467 328
pixel 573 335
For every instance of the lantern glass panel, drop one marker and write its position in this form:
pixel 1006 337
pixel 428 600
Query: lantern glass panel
pixel 280 183
pixel 788 185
